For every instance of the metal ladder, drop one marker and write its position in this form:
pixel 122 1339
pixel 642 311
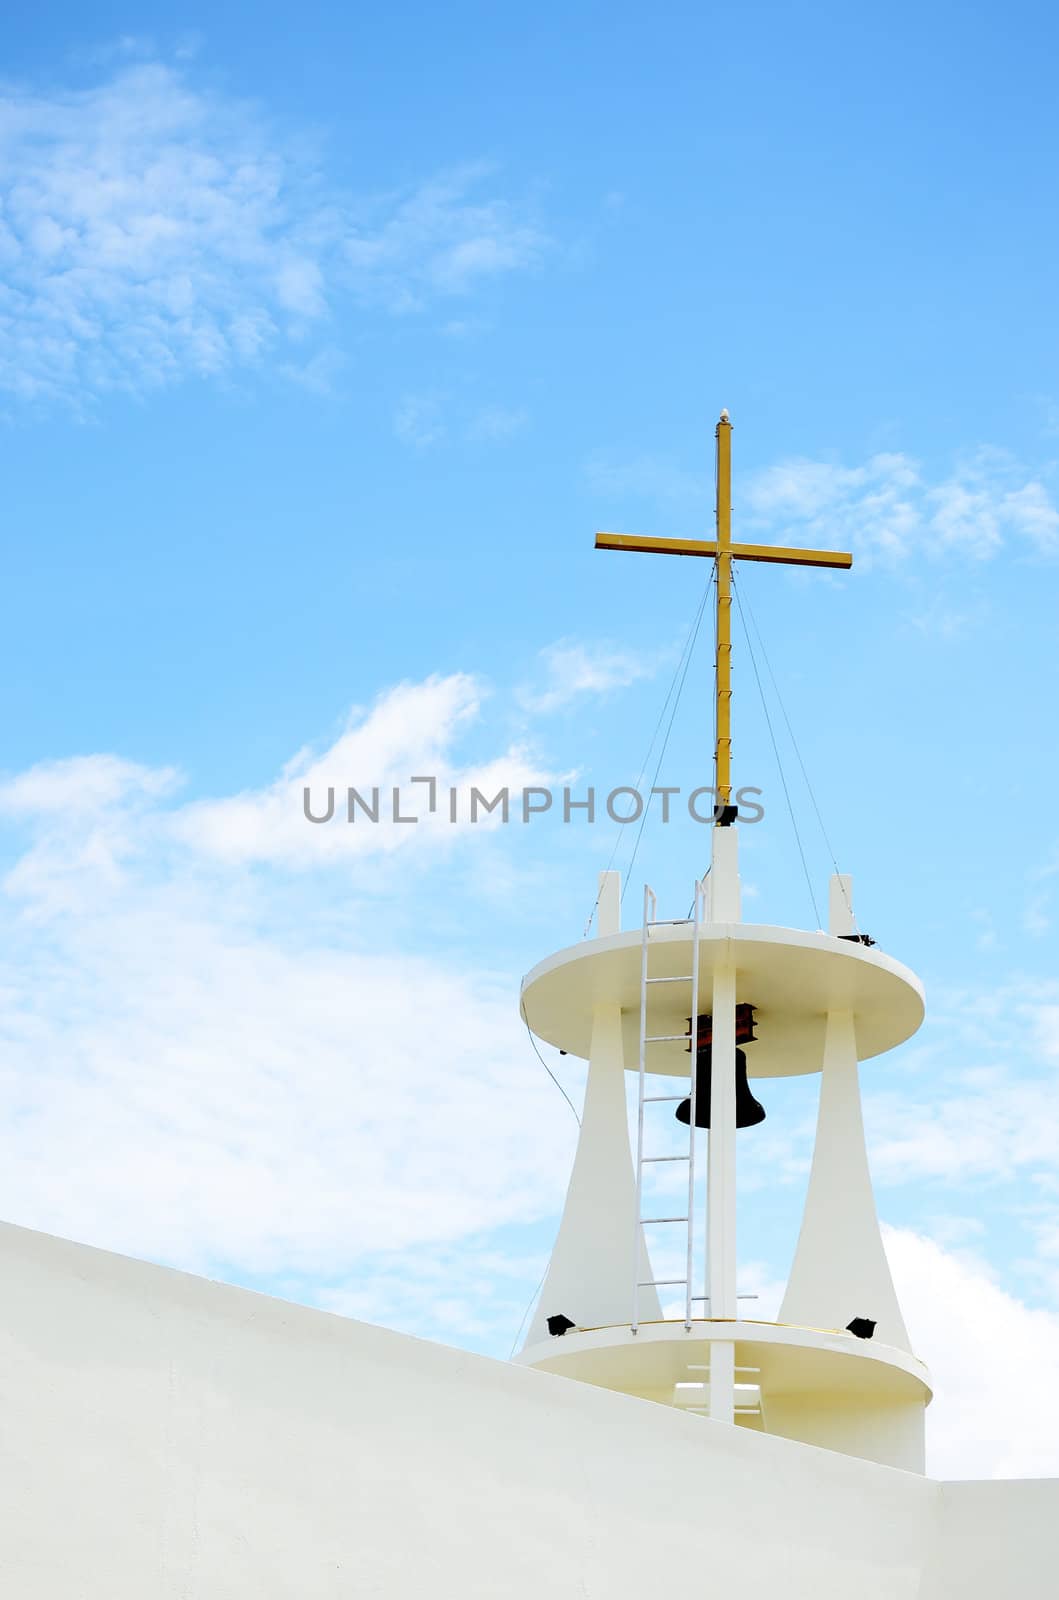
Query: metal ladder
pixel 691 979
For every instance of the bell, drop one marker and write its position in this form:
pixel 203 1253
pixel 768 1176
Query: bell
pixel 748 1111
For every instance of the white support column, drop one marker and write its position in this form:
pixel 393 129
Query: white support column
pixel 720 1178
pixel 608 905
pixel 720 1199
pixel 723 885
pixel 722 1381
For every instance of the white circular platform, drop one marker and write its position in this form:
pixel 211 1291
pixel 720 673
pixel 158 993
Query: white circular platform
pixel 792 977
pixel 781 1360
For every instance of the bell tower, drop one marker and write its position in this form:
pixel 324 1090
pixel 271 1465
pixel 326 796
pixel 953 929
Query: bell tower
pixel 701 1011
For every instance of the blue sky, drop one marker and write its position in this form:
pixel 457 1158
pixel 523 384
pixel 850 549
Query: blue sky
pixel 324 348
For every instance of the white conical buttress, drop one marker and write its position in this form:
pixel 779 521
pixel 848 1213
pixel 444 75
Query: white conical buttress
pixel 840 1269
pixel 590 1278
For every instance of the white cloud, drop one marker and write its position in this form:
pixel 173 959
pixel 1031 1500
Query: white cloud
pixel 966 517
pixel 319 374
pixel 147 233
pixel 885 509
pixel 994 1362
pixel 995 1116
pixel 1035 918
pixel 804 489
pixel 425 420
pixel 87 815
pixel 438 239
pixel 207 1065
pixel 81 784
pixel 419 421
pixel 151 230
pixel 410 732
pixel 940 621
pixel 462 327
pixel 990 1126
pixel 181 1086
pixel 1031 511
pixel 572 669
pixel 496 423
pixel 93 820
pixel 873 506
pixel 467 1295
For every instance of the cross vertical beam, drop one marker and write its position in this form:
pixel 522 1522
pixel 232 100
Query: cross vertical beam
pixel 722 551
pixel 723 665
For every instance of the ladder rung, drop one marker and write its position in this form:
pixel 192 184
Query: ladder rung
pixel 697 1367
pixel 738 1297
pixel 659 1283
pixel 646 1220
pixel 666 1038
pixel 684 978
pixel 740 1411
pixel 669 1158
pixel 656 1099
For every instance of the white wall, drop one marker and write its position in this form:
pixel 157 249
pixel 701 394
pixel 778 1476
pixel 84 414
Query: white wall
pixel 165 1437
pixel 995 1540
pixel 877 1432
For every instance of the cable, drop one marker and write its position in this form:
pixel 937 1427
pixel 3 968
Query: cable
pixel 689 643
pixel 620 835
pixel 691 908
pixel 775 750
pixel 801 763
pixel 665 741
pixel 544 1064
pixel 525 1314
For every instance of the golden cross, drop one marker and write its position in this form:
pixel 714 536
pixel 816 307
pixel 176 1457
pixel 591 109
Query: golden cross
pixel 724 552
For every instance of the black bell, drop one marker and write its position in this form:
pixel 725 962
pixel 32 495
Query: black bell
pixel 748 1111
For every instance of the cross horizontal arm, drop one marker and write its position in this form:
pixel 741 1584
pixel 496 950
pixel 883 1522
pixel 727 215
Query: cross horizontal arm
pixel 658 547
pixel 791 556
pixel 786 555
